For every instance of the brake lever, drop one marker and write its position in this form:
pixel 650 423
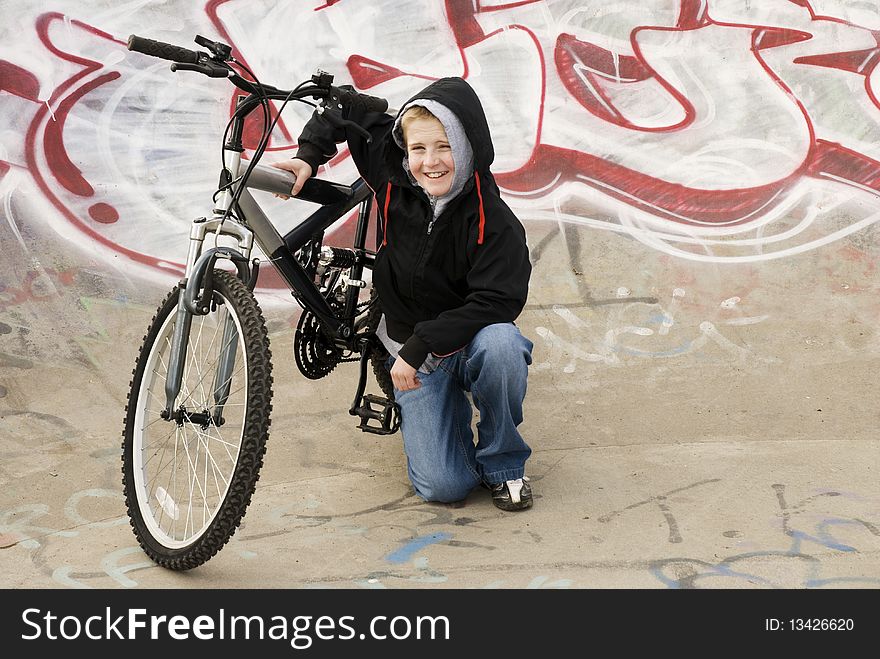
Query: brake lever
pixel 336 120
pixel 209 69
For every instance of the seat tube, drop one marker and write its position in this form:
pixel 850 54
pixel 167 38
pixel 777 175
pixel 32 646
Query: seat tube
pixel 352 293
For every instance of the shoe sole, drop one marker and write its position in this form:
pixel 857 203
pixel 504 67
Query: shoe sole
pixel 512 507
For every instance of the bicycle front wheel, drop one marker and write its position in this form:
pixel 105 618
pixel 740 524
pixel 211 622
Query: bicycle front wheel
pixel 189 479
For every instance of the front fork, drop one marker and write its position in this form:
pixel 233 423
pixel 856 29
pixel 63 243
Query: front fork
pixel 224 369
pixel 195 297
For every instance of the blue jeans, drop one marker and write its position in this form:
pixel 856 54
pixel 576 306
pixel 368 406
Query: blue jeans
pixel 443 462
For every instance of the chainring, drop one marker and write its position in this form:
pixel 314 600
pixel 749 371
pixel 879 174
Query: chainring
pixel 315 354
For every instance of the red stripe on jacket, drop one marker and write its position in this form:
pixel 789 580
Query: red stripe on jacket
pixel 385 215
pixel 482 214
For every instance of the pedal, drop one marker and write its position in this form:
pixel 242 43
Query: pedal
pixel 382 410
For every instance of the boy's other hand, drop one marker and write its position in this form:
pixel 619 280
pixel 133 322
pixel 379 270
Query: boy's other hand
pixel 301 171
pixel 404 376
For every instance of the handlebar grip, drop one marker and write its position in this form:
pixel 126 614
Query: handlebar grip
pixel 369 103
pixel 162 50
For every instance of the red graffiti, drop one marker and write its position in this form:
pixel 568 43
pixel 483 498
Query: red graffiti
pixel 18 81
pixel 599 81
pixel 660 198
pixel 253 127
pixel 368 73
pixel 65 171
pixel 33 287
pixel 585 68
pixel 45 137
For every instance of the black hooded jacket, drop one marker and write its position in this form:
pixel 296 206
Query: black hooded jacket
pixel 437 287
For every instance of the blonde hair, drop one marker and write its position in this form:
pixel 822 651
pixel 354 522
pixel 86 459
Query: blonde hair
pixel 413 113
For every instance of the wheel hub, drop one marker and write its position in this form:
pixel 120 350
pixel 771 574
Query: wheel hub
pixel 204 419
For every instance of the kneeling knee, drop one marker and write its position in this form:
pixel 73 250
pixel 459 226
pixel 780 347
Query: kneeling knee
pixel 502 344
pixel 443 491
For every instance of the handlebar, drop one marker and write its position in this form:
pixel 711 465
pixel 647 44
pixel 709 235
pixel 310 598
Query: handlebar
pixel 163 50
pixel 214 65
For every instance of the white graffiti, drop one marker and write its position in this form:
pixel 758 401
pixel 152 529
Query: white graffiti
pixel 720 132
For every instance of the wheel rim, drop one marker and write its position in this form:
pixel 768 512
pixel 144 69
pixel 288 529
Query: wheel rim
pixel 183 471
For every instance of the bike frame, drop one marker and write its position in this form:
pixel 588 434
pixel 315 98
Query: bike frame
pixel 251 224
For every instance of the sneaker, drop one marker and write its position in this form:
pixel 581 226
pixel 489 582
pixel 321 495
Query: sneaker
pixel 512 495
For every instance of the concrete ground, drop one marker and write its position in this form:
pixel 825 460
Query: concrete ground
pixel 694 425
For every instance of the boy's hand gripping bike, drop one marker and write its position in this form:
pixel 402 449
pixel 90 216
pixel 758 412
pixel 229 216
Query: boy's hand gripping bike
pixel 197 418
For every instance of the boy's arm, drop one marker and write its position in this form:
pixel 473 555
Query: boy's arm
pixel 318 140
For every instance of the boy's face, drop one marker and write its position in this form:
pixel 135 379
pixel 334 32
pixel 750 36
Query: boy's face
pixel 429 154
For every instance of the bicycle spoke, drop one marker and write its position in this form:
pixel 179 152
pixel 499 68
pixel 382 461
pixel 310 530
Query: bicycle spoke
pixel 158 414
pixel 226 445
pixel 196 351
pixel 193 474
pixel 232 393
pixel 219 323
pixel 158 473
pixel 155 453
pixel 162 507
pixel 215 468
pixel 147 448
pixel 205 481
pixel 156 476
pixel 174 484
pixel 213 364
pixel 204 437
pixel 222 441
pixel 162 361
pixel 193 362
pixel 183 376
pixel 217 326
pixel 189 475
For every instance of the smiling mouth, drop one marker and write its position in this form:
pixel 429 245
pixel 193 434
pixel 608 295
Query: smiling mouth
pixel 435 175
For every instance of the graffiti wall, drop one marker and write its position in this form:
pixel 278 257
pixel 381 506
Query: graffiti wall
pixel 700 185
pixel 719 130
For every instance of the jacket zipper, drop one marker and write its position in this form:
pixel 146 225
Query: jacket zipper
pixel 433 219
pixel 412 281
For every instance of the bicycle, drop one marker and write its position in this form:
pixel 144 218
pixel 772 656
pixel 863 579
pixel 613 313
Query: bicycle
pixel 198 411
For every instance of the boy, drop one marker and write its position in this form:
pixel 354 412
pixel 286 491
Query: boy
pixel 452 273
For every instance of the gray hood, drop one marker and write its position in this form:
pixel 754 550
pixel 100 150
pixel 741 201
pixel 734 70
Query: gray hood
pixel 462 153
